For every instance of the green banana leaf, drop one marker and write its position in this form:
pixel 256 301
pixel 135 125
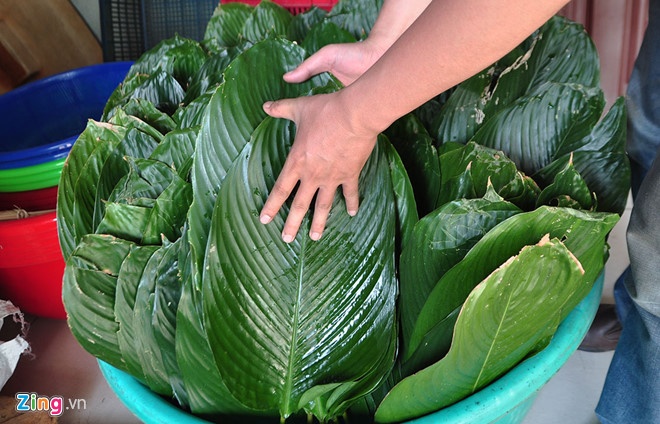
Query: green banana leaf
pixel 508 315
pixel 284 320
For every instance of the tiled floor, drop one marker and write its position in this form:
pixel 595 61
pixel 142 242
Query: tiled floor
pixel 61 368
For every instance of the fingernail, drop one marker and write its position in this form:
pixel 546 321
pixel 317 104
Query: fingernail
pixel 315 236
pixel 352 213
pixel 288 238
pixel 268 104
pixel 264 219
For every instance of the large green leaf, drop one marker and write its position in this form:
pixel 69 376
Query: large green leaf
pixel 234 111
pixel 323 34
pixel 207 393
pixel 284 320
pixel 583 233
pixel 303 22
pixel 149 203
pixel 561 52
pixel 404 197
pixel 167 292
pixel 127 282
pixel 419 156
pixel 88 293
pixel 176 150
pixel 153 326
pixel 470 170
pixel 463 112
pixel 356 16
pixel 209 75
pixel 268 19
pixel 161 89
pixel 146 111
pixel 94 165
pixel 601 160
pixel 227 22
pixel 533 128
pixel 87 156
pixel 507 316
pixel 438 242
pixel 568 189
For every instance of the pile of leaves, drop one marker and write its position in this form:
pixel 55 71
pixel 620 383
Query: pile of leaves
pixel 515 173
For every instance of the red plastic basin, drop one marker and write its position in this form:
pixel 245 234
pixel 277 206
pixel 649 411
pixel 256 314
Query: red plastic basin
pixel 31 265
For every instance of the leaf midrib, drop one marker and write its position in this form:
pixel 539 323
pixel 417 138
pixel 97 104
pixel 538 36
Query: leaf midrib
pixel 285 406
pixel 475 386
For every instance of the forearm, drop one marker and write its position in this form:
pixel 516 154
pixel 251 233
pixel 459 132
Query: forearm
pixel 449 42
pixel 394 18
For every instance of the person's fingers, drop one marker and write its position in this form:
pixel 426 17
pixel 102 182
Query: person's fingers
pixel 351 196
pixel 280 108
pixel 316 64
pixel 299 208
pixel 324 199
pixel 281 191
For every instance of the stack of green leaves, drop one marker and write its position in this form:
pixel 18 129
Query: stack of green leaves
pixel 171 278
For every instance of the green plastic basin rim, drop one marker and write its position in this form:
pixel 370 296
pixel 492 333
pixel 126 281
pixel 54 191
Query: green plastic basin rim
pixel 33 177
pixel 492 404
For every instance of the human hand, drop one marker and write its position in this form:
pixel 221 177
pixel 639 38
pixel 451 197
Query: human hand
pixel 328 152
pixel 347 62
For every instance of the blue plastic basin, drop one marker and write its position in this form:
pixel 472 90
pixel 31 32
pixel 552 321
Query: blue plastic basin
pixel 41 120
pixel 505 401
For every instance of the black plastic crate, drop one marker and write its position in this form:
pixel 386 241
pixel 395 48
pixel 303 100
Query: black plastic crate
pixel 131 27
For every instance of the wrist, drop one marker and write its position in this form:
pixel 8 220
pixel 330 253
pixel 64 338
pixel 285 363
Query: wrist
pixel 363 119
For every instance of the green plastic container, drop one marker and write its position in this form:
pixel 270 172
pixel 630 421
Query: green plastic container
pixel 35 177
pixel 505 401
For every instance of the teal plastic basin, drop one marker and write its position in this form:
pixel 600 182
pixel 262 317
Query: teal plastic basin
pixel 505 401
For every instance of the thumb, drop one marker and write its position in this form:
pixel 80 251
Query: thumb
pixel 280 108
pixel 316 64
